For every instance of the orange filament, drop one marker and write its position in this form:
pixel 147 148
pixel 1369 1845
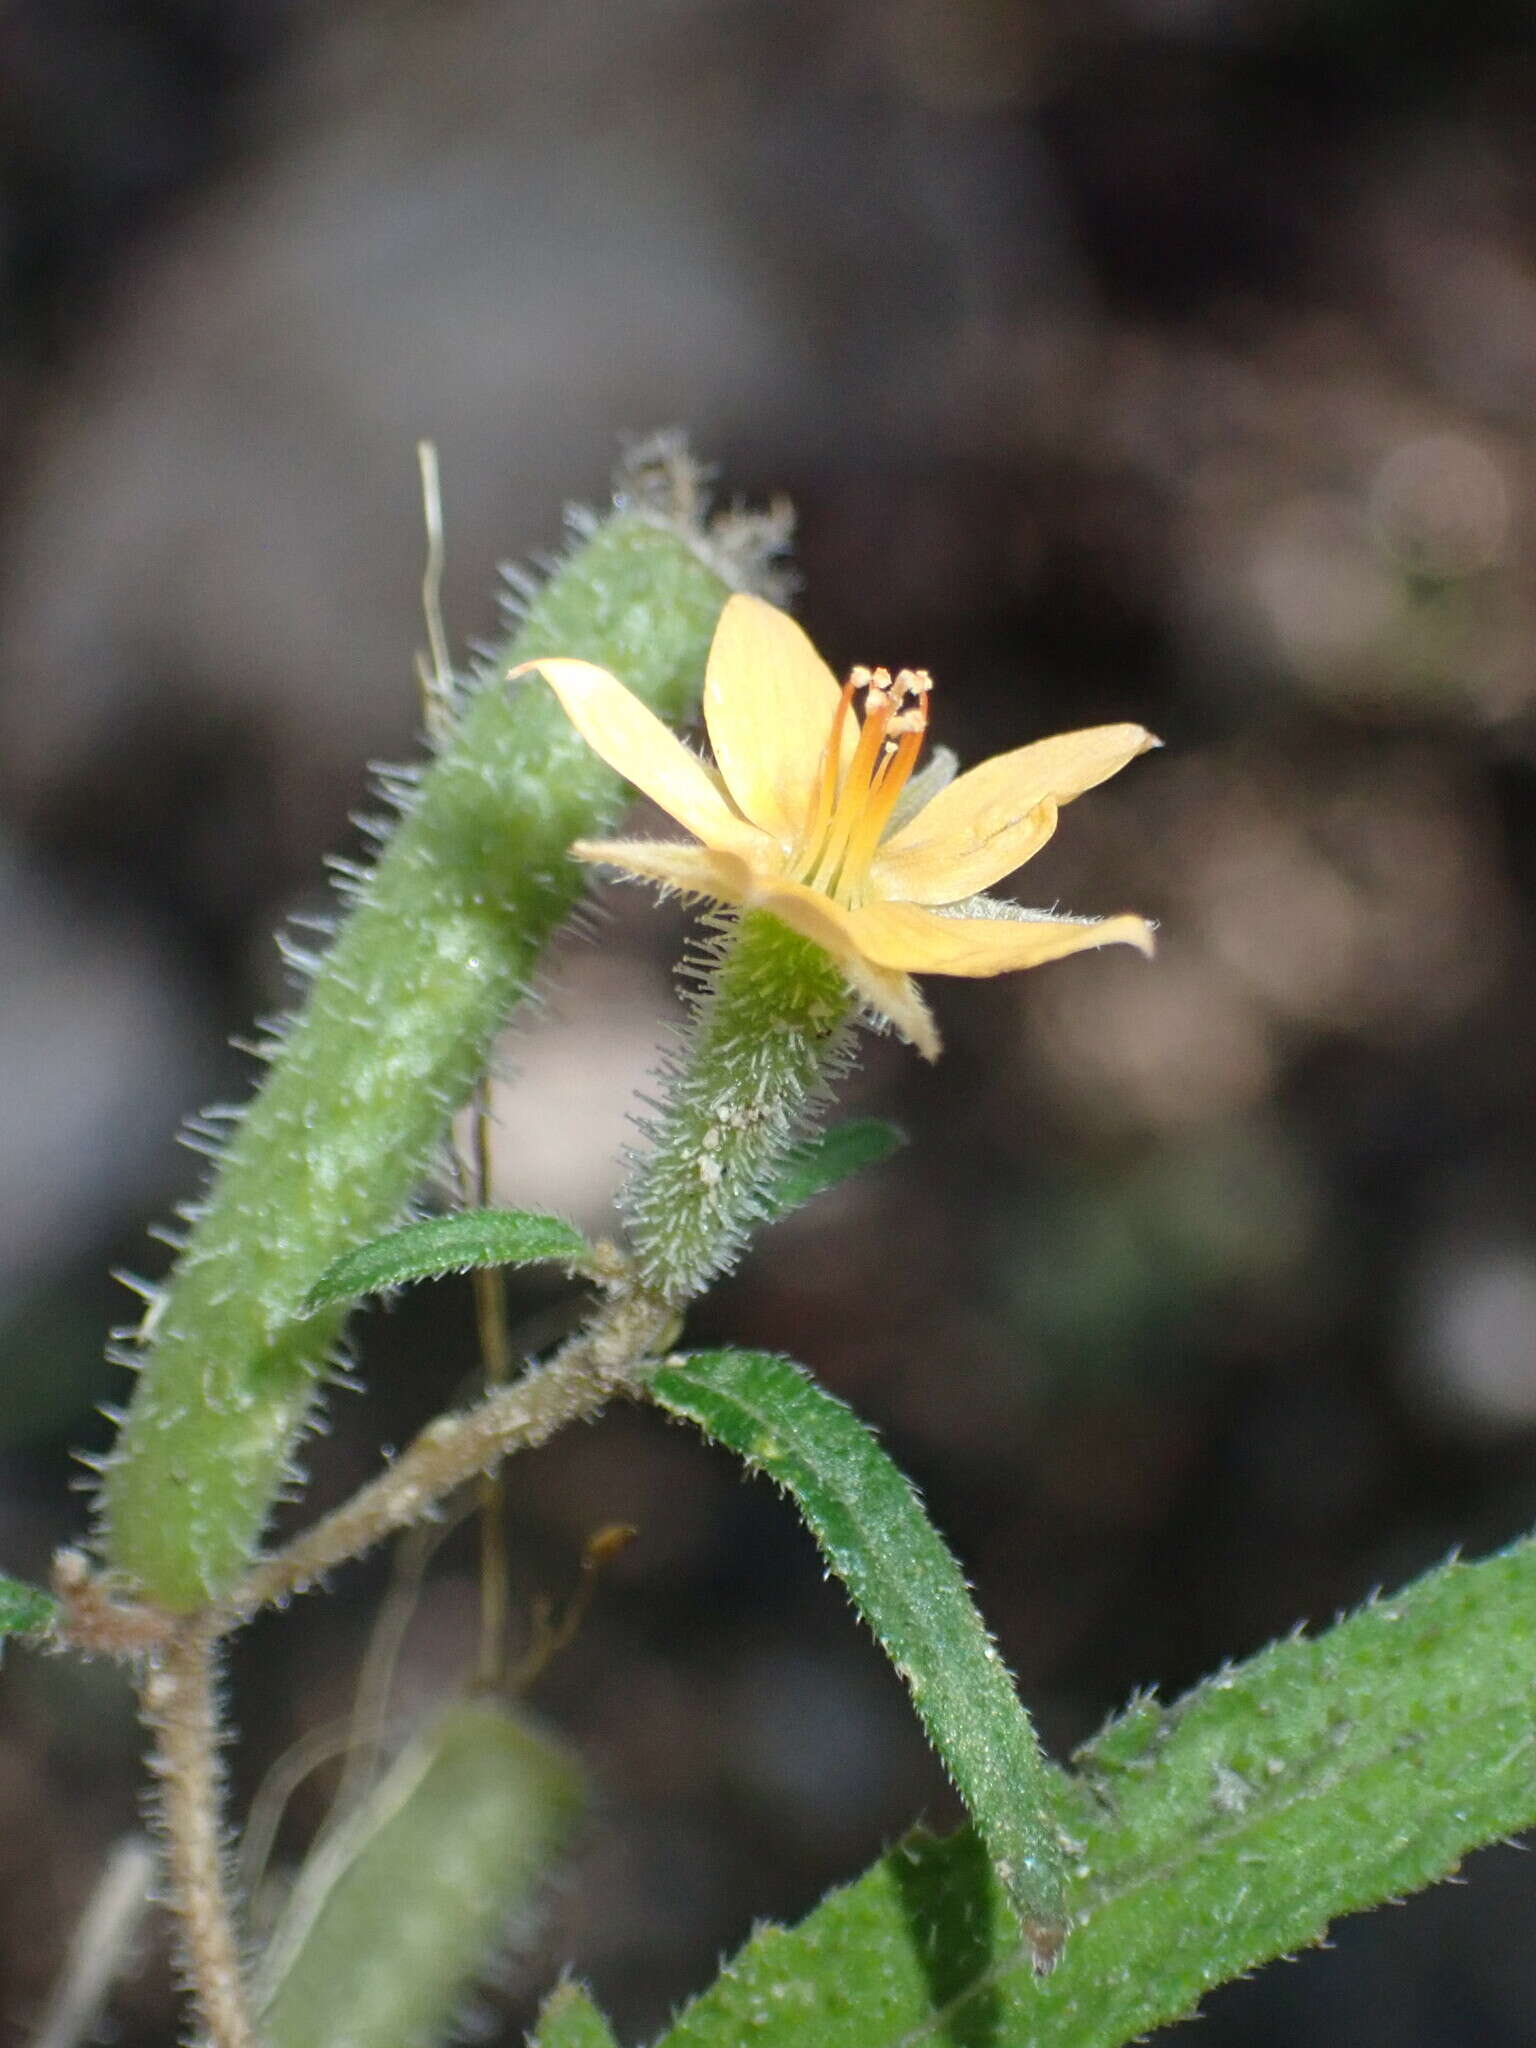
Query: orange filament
pixel 887 787
pixel 850 809
pixel 826 780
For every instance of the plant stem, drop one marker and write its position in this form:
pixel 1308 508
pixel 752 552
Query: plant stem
pixel 771 1033
pixel 181 1706
pixel 490 1294
pixel 607 1358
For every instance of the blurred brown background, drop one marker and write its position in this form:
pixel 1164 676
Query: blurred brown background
pixel 1166 359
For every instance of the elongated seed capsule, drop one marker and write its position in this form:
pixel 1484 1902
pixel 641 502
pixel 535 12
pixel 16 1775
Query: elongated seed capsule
pixel 402 1911
pixel 441 942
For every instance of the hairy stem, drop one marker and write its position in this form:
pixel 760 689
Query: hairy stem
pixel 181 1706
pixel 609 1357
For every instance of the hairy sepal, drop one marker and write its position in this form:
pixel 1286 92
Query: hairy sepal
pixel 769 1038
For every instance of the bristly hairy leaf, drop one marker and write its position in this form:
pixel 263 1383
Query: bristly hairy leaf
pixel 875 1536
pixel 448 1244
pixel 1319 1778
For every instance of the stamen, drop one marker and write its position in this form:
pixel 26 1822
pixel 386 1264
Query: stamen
pixel 889 783
pixel 850 809
pixel 879 708
pixel 831 761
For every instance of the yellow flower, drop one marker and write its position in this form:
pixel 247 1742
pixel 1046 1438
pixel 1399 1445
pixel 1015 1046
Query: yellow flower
pixel 803 813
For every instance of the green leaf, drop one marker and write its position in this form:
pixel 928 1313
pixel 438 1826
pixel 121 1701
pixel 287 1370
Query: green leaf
pixel 819 1163
pixel 448 1244
pixel 569 2019
pixel 406 1904
pixel 1208 1837
pixel 25 1610
pixel 875 1536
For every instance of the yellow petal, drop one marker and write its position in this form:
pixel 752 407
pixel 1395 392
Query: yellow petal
pixel 632 739
pixel 892 995
pixel 701 871
pixel 810 913
pixel 994 817
pixel 895 997
pixel 768 704
pixel 692 870
pixel 958 860
pixel 917 941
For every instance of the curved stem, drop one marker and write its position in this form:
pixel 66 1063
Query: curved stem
pixel 609 1357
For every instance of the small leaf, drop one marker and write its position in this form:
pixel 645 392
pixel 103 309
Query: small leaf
pixel 448 1244
pixel 569 2019
pixel 874 1534
pixel 819 1163
pixel 25 1610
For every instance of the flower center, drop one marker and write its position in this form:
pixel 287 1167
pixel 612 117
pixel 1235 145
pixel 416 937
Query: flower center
pixel 851 807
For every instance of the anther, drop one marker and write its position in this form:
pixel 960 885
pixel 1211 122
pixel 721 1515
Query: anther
pixel 851 805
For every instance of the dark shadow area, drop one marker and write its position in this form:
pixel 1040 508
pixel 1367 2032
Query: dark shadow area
pixel 949 1895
